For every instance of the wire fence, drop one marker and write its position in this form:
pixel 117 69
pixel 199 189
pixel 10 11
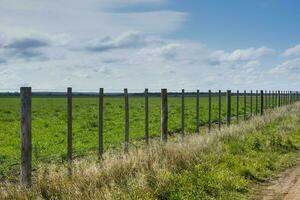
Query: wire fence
pixel 223 108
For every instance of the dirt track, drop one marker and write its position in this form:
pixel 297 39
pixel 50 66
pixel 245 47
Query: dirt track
pixel 286 186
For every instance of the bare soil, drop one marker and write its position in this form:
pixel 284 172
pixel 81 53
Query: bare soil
pixel 285 186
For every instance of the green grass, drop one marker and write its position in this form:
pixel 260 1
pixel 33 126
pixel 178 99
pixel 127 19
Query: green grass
pixel 49 132
pixel 220 165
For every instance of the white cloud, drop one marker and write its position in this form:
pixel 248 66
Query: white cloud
pixel 84 19
pixel 135 60
pixel 291 67
pixel 168 51
pixel 129 39
pixel 242 54
pixel 292 52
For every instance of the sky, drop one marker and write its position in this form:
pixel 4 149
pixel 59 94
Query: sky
pixel 137 44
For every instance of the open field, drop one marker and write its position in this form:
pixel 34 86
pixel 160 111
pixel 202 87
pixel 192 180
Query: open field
pixel 50 133
pixel 224 164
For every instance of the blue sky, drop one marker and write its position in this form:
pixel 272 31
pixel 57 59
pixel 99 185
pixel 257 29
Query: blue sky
pixel 234 44
pixel 239 23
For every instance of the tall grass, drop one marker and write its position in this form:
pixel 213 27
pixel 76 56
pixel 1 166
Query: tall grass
pixel 218 165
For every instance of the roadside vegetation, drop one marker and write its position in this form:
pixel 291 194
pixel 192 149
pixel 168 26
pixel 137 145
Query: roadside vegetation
pixel 224 164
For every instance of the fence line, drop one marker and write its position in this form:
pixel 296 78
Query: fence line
pixel 267 100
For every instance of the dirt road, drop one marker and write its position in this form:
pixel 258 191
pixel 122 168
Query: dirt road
pixel 286 186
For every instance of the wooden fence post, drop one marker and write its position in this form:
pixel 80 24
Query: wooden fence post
pixel 256 102
pixel 26 145
pixel 220 104
pixel 228 107
pixel 182 113
pixel 269 101
pixel 251 103
pixel 164 115
pixel 100 123
pixel 266 99
pixel 261 102
pixel 70 137
pixel 245 105
pixel 126 142
pixel 209 110
pixel 282 98
pixel 197 112
pixel 146 117
pixel 273 99
pixel 237 105
pixel 279 98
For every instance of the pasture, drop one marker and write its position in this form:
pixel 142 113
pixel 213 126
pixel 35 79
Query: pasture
pixel 49 124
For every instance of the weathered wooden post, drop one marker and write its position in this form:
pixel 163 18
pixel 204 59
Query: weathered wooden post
pixel 245 105
pixel 197 112
pixel 228 107
pixel 237 105
pixel 146 117
pixel 269 101
pixel 209 110
pixel 220 104
pixel 273 99
pixel 26 145
pixel 100 123
pixel 182 113
pixel 266 99
pixel 261 102
pixel 256 102
pixel 164 115
pixel 279 98
pixel 126 142
pixel 251 103
pixel 70 136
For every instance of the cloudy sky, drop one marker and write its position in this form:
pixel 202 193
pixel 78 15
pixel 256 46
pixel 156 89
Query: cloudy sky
pixel 193 44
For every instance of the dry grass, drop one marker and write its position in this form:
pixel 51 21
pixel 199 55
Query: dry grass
pixel 140 174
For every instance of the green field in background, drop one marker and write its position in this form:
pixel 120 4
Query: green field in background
pixel 49 128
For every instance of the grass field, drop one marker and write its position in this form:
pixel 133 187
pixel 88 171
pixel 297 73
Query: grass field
pixel 227 164
pixel 49 131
